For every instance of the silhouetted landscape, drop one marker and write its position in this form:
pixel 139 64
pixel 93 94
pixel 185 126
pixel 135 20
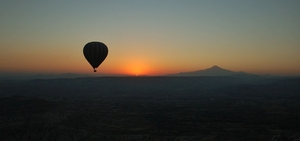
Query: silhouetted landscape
pixel 209 108
pixel 139 70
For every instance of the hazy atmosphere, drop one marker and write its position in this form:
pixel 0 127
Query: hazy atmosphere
pixel 151 37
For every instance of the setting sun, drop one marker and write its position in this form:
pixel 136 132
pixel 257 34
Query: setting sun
pixel 136 68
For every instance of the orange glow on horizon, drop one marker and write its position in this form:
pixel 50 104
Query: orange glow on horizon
pixel 136 68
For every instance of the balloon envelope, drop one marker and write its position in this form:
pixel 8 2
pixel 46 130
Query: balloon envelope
pixel 95 53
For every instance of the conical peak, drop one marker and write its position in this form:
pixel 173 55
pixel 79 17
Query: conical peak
pixel 215 67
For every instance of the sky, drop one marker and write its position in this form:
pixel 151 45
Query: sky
pixel 154 37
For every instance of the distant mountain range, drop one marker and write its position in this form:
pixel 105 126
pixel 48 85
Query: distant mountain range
pixel 27 76
pixel 213 71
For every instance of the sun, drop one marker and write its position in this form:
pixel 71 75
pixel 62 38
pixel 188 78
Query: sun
pixel 136 69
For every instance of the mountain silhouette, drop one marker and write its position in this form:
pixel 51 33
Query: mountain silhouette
pixel 213 71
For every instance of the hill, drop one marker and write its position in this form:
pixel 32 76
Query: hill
pixel 213 71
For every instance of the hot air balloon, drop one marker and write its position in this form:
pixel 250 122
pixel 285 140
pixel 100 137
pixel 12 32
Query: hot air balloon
pixel 95 53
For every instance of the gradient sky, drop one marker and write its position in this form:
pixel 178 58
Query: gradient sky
pixel 151 37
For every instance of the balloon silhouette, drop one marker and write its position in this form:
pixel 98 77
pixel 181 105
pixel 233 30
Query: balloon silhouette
pixel 95 53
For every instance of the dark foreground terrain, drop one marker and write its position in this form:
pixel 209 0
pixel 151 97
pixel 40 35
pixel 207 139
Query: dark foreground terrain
pixel 151 108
